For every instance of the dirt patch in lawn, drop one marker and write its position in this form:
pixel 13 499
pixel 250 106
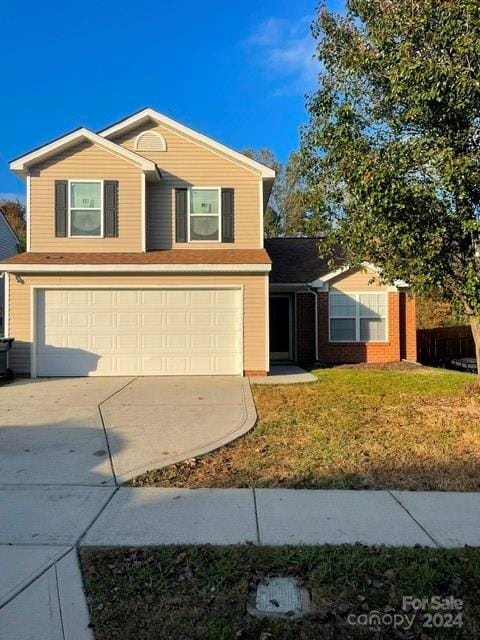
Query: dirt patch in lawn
pixel 402 365
pixel 200 593
pixel 353 428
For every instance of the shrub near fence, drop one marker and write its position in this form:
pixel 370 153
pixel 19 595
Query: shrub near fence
pixel 438 346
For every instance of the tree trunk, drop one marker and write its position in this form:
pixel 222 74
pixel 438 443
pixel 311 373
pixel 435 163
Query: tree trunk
pixel 475 325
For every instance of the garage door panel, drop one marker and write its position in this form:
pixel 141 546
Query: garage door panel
pixel 177 342
pixel 150 320
pixel 202 320
pixel 139 332
pixel 57 320
pixel 127 298
pixel 102 320
pixel 176 320
pixel 152 342
pixel 100 297
pixel 152 297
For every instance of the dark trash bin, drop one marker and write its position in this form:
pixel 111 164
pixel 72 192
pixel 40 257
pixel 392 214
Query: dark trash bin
pixel 5 346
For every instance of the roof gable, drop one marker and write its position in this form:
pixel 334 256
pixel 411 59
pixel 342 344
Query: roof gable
pixel 22 164
pixel 148 114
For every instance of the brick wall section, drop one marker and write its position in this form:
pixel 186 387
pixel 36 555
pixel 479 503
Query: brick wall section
pixel 305 315
pixel 352 352
pixel 410 328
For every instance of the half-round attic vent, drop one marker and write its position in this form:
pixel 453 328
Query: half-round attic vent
pixel 150 141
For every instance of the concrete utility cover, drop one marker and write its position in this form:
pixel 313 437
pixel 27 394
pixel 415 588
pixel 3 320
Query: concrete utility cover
pixel 281 597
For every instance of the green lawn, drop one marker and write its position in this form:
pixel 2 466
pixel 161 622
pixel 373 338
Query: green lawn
pixel 200 593
pixel 359 427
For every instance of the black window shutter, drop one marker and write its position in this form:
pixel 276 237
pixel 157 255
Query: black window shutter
pixel 110 208
pixel 181 215
pixel 228 206
pixel 61 207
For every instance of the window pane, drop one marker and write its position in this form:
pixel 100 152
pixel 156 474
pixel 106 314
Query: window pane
pixel 373 305
pixel 342 329
pixel 204 201
pixel 85 223
pixel 342 304
pixel 85 195
pixel 204 228
pixel 372 329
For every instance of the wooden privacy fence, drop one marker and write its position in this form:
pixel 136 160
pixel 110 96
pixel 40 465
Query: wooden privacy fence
pixel 439 346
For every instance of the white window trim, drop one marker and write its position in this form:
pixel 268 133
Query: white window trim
pixel 356 295
pixel 69 208
pixel 219 214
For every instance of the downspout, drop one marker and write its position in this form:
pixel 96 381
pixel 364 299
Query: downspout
pixel 314 291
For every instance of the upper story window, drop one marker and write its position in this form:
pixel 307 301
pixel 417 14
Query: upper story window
pixel 358 317
pixel 204 214
pixel 85 206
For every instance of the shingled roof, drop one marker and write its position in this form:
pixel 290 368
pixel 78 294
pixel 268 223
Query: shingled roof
pixel 295 260
pixel 167 256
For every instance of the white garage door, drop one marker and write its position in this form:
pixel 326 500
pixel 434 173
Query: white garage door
pixel 103 332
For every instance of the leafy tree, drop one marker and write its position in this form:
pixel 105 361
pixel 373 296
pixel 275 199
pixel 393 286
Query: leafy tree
pixel 434 312
pixel 391 150
pixel 14 211
pixel 288 212
pixel 271 218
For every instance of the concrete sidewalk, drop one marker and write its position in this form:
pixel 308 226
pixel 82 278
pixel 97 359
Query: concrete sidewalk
pixel 63 517
pixel 50 607
pixel 154 516
pixel 41 591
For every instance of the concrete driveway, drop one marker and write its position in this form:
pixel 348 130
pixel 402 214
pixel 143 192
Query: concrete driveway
pixel 105 431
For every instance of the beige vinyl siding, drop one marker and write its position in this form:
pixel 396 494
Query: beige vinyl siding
pixel 357 280
pixel 85 161
pixel 254 307
pixel 188 163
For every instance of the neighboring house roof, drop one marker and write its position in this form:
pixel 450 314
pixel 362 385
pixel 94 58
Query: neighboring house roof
pixel 9 227
pixel 8 245
pixel 295 260
pixel 21 164
pixel 165 260
pixel 150 114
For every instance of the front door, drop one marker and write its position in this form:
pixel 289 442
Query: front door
pixel 281 327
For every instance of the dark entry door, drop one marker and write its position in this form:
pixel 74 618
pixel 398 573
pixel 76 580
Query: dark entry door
pixel 280 327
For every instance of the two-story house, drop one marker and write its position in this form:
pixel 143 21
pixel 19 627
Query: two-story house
pixel 145 256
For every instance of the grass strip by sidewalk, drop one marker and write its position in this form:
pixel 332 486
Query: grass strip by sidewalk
pixel 200 593
pixel 394 427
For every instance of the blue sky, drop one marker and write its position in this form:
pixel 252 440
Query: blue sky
pixel 235 71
